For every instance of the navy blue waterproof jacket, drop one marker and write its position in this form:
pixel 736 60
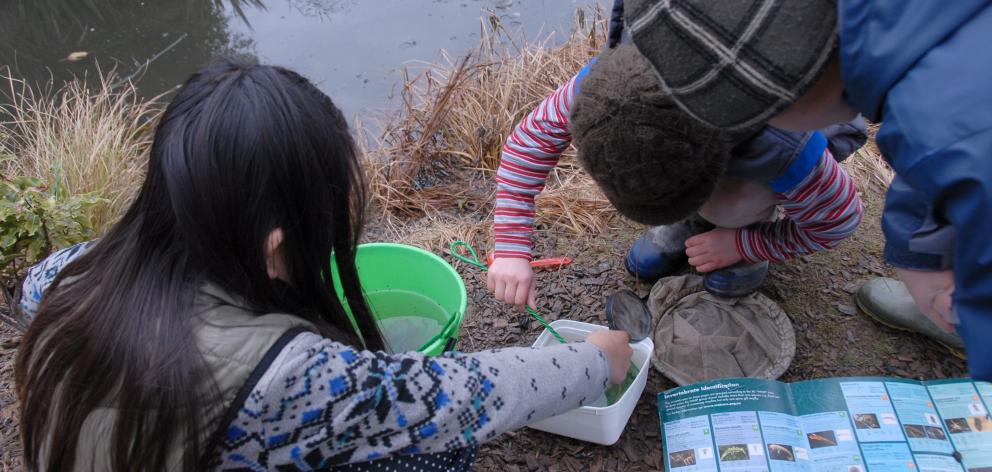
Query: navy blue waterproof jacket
pixel 924 70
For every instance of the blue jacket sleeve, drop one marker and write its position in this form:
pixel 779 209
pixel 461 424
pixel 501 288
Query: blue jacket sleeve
pixel 915 236
pixel 770 153
pixel 958 182
pixel 845 138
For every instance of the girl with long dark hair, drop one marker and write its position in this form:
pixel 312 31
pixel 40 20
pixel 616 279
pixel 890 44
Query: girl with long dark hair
pixel 201 333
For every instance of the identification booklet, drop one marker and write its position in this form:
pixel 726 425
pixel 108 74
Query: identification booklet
pixel 858 424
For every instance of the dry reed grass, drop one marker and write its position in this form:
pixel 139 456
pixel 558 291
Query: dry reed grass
pixel 441 150
pixel 869 170
pixel 86 136
pixel 436 232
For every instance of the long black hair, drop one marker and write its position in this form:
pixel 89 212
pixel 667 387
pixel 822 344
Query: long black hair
pixel 239 152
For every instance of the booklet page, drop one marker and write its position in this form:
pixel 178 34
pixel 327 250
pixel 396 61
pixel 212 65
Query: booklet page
pixel 863 424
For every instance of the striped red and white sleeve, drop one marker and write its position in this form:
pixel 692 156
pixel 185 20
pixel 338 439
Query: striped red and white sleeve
pixel 529 155
pixel 822 210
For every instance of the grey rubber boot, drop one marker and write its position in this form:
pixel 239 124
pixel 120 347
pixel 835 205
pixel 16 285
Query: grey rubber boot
pixel 888 302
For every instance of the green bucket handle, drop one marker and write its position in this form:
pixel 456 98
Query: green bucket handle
pixel 614 392
pixel 475 261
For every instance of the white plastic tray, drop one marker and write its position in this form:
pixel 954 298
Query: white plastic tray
pixel 601 425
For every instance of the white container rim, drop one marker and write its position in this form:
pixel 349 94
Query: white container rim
pixel 645 345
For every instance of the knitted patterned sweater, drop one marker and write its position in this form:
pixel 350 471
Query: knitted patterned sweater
pixel 321 404
pixel 820 202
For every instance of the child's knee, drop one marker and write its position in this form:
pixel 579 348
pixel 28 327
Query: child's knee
pixel 739 203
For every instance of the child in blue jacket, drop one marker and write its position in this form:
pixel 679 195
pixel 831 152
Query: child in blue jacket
pixel 921 70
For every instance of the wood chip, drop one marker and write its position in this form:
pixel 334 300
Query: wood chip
pixel 8 412
pixel 572 463
pixel 531 460
pixel 630 451
pixel 604 267
pixel 846 309
pixel 593 281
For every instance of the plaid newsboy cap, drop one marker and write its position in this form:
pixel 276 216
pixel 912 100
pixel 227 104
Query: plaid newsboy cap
pixel 734 64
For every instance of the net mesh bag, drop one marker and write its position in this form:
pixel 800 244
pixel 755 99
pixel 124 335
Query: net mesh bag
pixel 699 336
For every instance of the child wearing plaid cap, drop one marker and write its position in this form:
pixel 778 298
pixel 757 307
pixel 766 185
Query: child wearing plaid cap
pixel 713 194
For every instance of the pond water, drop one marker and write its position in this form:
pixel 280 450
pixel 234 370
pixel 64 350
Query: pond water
pixel 353 49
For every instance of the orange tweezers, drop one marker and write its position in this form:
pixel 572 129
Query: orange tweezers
pixel 550 263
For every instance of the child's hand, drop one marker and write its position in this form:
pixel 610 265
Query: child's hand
pixel 615 347
pixel 713 250
pixel 933 293
pixel 512 281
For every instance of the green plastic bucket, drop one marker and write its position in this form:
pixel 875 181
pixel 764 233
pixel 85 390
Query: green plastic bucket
pixel 417 298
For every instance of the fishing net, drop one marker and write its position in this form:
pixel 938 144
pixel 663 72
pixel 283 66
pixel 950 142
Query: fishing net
pixel 699 336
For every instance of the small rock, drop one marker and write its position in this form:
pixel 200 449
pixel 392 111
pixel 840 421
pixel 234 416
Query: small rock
pixel 847 309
